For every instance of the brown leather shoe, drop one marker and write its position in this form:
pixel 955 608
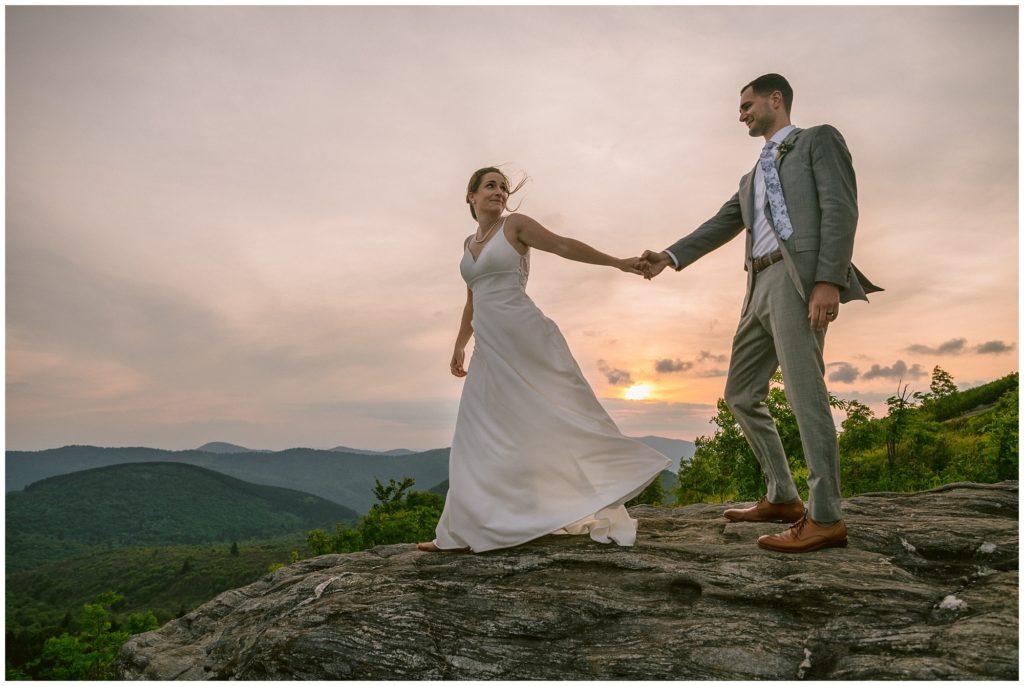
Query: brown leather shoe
pixel 764 511
pixel 805 536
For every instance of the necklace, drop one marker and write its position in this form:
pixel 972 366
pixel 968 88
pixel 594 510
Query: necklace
pixel 488 232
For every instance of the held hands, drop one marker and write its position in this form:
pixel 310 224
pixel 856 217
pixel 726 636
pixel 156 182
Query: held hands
pixel 652 263
pixel 458 360
pixel 631 265
pixel 823 306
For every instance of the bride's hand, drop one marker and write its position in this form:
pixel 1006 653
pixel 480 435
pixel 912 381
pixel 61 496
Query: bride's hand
pixel 458 360
pixel 631 265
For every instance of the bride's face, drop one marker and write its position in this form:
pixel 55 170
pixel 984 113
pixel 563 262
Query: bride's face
pixel 491 195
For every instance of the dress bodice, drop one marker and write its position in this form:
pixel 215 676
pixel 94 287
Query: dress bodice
pixel 498 263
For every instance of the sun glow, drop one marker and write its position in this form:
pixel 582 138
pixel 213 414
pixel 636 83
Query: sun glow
pixel 640 391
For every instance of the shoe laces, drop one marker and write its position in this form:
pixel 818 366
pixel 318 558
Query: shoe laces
pixel 799 525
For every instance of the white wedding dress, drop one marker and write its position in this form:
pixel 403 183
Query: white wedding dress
pixel 534 452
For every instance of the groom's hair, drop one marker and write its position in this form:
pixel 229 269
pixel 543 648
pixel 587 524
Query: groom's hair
pixel 768 84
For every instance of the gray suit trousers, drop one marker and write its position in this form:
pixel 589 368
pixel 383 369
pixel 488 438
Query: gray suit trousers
pixel 774 332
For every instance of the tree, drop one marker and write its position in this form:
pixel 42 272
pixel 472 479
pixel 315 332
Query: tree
pixel 319 542
pixel 897 422
pixel 390 497
pixel 90 654
pixel 722 465
pixel 1004 436
pixel 653 494
pixel 942 385
pixel 702 476
pixel 400 515
pixel 859 431
pixel 234 548
pixel 942 400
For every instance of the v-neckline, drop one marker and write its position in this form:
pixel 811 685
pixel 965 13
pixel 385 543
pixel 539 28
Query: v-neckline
pixel 501 229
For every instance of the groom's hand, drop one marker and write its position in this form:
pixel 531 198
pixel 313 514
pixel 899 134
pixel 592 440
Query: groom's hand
pixel 823 307
pixel 654 263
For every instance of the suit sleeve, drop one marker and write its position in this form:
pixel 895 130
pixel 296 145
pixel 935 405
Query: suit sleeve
pixel 837 198
pixel 712 234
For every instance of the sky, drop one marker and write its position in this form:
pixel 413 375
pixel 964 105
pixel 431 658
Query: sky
pixel 244 224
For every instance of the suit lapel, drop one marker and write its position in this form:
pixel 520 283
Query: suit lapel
pixel 788 142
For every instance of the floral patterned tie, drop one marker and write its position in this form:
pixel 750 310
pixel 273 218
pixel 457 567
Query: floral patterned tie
pixel 773 188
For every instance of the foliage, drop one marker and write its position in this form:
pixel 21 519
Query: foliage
pixel 859 432
pixel 724 467
pixel 1004 437
pixel 47 600
pixel 399 516
pixel 897 422
pixel 91 652
pixel 916 446
pixel 653 494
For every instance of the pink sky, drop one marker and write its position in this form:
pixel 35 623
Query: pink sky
pixel 244 224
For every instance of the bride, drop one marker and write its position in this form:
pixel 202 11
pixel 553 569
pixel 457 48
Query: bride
pixel 534 452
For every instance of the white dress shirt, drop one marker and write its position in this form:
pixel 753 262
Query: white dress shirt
pixel 765 239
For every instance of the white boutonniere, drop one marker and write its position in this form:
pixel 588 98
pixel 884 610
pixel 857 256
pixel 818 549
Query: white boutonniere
pixel 785 147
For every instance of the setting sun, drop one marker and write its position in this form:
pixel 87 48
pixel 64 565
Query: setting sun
pixel 638 392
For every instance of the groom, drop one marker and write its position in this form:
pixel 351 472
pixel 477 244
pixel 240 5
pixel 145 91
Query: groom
pixel 799 207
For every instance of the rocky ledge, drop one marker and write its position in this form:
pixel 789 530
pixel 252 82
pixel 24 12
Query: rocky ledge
pixel 927 589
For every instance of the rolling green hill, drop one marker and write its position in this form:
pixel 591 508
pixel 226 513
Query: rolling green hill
pixel 343 478
pixel 151 504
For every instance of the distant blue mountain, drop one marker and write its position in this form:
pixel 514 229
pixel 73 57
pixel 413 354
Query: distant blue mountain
pixel 672 448
pixel 222 448
pixel 357 451
pixel 219 447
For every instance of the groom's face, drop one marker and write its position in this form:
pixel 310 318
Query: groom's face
pixel 756 112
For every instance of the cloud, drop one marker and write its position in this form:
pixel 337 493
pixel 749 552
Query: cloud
pixel 994 348
pixel 667 365
pixel 705 356
pixel 844 372
pixel 954 346
pixel 713 373
pixel 899 370
pixel 616 377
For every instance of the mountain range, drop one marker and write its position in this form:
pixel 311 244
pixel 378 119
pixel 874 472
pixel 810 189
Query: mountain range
pixel 222 448
pixel 156 503
pixel 346 478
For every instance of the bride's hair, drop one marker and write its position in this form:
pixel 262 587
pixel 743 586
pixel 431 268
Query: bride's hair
pixel 478 176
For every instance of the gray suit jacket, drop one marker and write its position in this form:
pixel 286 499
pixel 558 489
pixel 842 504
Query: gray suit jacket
pixel 820 188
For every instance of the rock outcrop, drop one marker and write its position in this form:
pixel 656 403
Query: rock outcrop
pixel 927 589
